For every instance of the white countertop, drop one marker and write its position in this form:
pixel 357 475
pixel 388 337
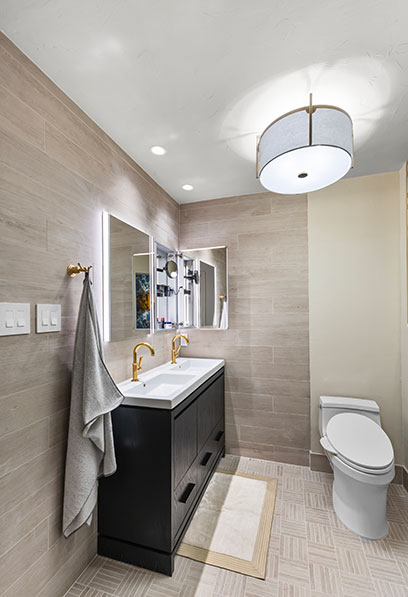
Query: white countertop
pixel 168 385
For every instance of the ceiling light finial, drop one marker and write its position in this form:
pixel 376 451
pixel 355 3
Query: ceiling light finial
pixel 305 150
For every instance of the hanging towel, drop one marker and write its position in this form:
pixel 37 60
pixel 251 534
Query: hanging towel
pixel 224 316
pixel 94 394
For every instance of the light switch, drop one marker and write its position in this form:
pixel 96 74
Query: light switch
pixel 14 319
pixel 20 319
pixel 53 317
pixel 9 319
pixel 48 318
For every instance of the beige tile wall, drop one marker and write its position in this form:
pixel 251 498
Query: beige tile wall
pixel 266 347
pixel 58 171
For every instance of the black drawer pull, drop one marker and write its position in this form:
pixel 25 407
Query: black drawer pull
pixel 219 436
pixel 206 458
pixel 186 493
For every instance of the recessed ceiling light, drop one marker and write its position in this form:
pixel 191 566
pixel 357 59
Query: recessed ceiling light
pixel 187 187
pixel 157 150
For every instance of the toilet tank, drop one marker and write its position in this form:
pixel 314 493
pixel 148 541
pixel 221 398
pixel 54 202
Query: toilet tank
pixel 334 405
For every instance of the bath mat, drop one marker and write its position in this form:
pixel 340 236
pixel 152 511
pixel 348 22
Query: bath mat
pixel 232 525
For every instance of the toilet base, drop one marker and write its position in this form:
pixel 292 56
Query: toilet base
pixel 360 500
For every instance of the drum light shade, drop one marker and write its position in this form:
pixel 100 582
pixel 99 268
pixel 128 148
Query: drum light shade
pixel 305 150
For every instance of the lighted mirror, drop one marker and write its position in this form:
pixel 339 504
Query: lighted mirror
pixel 206 278
pixel 127 279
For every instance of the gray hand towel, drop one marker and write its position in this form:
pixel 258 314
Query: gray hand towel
pixel 94 394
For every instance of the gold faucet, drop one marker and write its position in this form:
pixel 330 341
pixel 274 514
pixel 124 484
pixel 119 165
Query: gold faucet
pixel 174 352
pixel 137 366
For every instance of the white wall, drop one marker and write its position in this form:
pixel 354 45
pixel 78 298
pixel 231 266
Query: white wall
pixel 354 293
pixel 404 310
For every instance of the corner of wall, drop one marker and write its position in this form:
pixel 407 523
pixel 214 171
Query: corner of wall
pixel 404 306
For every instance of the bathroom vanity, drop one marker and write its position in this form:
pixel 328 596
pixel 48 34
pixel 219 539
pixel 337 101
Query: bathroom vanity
pixel 169 436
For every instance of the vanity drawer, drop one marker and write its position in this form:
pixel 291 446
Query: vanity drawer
pixel 184 497
pixel 209 453
pixel 185 442
pixel 210 410
pixel 191 486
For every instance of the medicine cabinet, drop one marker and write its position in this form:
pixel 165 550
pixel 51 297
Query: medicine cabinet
pixel 149 287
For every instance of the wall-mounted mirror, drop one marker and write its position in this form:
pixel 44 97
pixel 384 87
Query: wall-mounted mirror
pixel 166 288
pixel 127 279
pixel 206 271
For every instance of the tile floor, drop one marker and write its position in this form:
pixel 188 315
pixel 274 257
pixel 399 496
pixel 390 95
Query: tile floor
pixel 311 553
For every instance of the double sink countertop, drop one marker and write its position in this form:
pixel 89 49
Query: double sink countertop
pixel 168 385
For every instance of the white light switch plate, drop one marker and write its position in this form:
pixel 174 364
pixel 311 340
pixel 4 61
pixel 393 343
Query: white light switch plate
pixel 14 319
pixel 48 318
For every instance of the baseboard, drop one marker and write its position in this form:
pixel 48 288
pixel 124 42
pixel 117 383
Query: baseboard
pixel 405 477
pixel 319 462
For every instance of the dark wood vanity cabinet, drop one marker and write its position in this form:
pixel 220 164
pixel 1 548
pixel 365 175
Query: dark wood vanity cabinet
pixel 165 460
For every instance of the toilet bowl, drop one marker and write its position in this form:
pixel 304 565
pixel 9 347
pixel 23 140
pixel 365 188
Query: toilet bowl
pixel 362 458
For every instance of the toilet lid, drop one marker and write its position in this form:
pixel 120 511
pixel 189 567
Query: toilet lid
pixel 360 441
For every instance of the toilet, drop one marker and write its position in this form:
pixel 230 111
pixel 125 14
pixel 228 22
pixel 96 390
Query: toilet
pixel 362 458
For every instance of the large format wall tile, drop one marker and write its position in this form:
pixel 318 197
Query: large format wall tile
pixel 58 172
pixel 266 347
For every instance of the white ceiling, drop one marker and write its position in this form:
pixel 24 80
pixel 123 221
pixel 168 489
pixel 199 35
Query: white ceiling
pixel 203 77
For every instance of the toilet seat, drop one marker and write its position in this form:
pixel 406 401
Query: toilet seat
pixel 360 443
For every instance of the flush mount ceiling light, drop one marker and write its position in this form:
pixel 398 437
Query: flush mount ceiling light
pixel 305 150
pixel 187 187
pixel 157 150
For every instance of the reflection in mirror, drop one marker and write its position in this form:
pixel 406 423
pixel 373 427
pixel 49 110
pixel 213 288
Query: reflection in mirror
pixel 207 271
pixel 188 293
pixel 127 285
pixel 171 269
pixel 207 294
pixel 141 280
pixel 166 301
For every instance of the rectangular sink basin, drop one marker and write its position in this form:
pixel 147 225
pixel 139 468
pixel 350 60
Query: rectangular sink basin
pixel 192 366
pixel 168 385
pixel 164 384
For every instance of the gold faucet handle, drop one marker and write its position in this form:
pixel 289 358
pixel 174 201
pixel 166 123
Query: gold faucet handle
pixel 139 364
pixel 178 350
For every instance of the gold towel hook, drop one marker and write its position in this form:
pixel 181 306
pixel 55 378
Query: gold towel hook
pixel 73 270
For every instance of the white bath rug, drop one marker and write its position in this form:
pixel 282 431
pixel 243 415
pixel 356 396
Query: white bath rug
pixel 232 525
